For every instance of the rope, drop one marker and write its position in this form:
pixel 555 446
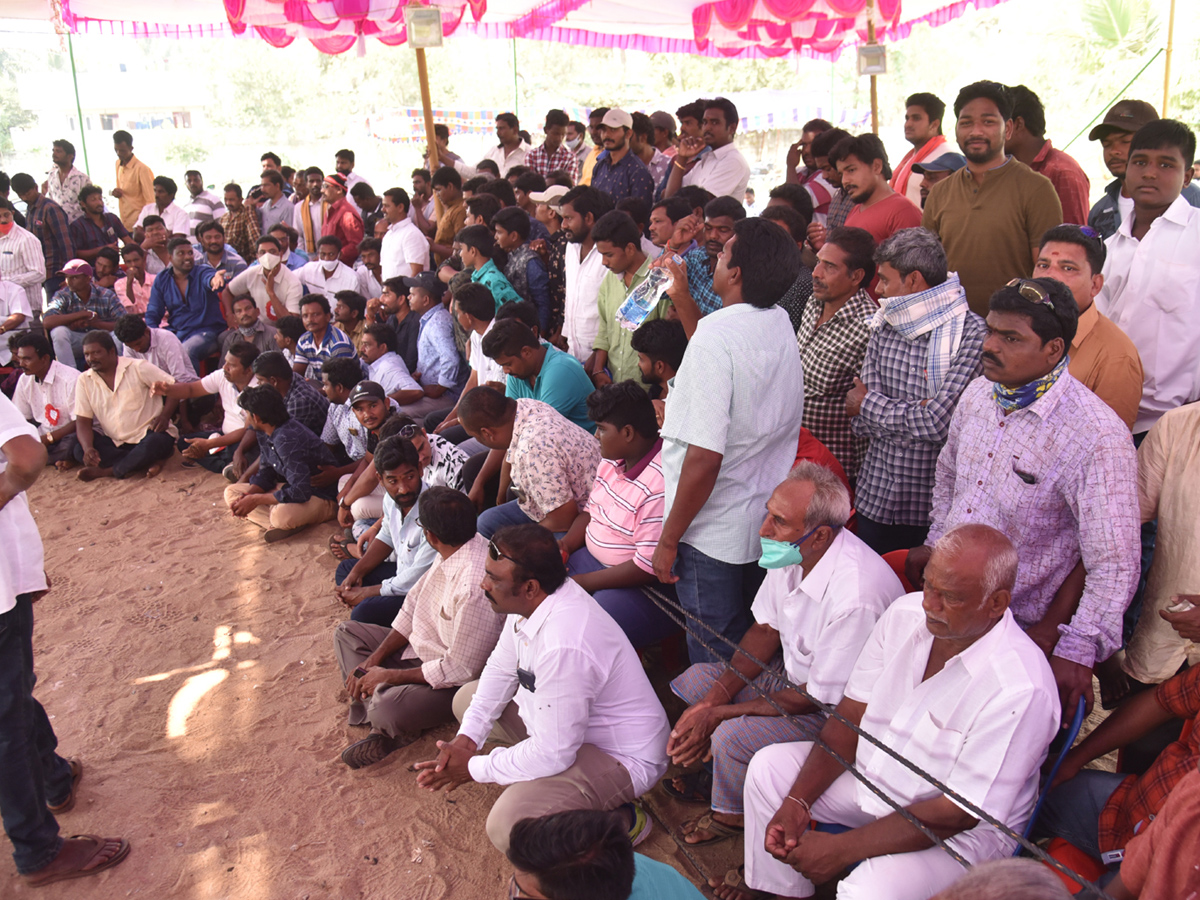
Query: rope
pixel 682 616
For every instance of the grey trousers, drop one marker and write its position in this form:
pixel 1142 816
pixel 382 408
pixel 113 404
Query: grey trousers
pixel 594 781
pixel 396 708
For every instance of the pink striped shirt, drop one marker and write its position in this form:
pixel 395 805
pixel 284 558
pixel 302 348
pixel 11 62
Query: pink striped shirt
pixel 627 511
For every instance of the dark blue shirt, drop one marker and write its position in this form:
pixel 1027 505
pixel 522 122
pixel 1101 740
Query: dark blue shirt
pixel 199 311
pixel 292 454
pixel 628 178
pixel 307 404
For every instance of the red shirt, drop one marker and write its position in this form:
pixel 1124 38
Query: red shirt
pixel 885 218
pixel 1069 182
pixel 344 223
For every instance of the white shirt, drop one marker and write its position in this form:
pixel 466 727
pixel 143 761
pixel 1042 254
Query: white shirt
pixel 403 246
pixel 367 285
pixel 390 372
pixel 739 392
pixel 1152 292
pixel 253 283
pixel 22 564
pixel 217 383
pixel 505 162
pixel 486 368
pixel 312 276
pixel 166 351
pixel 23 263
pixel 312 209
pixel 13 300
pixel 581 312
pixel 589 687
pixel 49 402
pixel 173 217
pixel 981 725
pixel 825 618
pixel 724 172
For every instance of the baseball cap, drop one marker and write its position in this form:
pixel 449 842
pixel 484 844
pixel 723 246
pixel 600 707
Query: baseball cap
pixel 76 267
pixel 660 119
pixel 617 118
pixel 551 196
pixel 428 282
pixel 1127 115
pixel 947 162
pixel 367 390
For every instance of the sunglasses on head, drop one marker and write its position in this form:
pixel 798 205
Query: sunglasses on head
pixel 1032 291
pixel 408 432
pixel 495 554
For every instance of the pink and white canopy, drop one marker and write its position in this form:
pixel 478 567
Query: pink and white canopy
pixel 727 28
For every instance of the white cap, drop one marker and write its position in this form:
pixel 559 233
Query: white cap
pixel 551 196
pixel 617 118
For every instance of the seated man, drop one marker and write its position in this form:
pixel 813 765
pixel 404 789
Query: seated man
pixel 327 274
pixel 187 292
pixel 824 591
pixel 586 852
pixel 549 461
pixel 385 367
pixel 358 414
pixel 613 537
pixel 438 642
pixel 349 310
pixel 135 426
pixel 304 402
pixel 280 496
pixel 288 331
pixel 159 346
pixel 1034 453
pixel 538 371
pixel 565 687
pixel 248 327
pixel 1161 862
pixel 1006 879
pixel 525 270
pixel 45 396
pixel 204 448
pixel 441 370
pixel 273 287
pixel 398 554
pixel 78 308
pixel 1100 811
pixel 322 341
pixel 948 681
pixel 134 286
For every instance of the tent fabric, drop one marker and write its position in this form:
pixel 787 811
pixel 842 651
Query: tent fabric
pixel 738 29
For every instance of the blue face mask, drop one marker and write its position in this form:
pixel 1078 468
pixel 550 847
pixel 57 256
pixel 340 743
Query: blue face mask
pixel 779 554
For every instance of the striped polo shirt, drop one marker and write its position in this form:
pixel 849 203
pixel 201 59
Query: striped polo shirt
pixel 627 511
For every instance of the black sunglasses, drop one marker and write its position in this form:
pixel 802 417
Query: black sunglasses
pixel 1032 291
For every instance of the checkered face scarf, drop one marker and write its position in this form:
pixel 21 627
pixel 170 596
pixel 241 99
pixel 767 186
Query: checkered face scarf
pixel 939 312
pixel 1010 399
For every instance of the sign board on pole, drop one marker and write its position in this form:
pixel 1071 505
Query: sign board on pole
pixel 424 26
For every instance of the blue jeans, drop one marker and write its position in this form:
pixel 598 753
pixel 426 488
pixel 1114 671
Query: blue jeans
pixel 1072 810
pixel 639 617
pixel 200 345
pixel 719 594
pixel 31 773
pixel 379 610
pixel 492 520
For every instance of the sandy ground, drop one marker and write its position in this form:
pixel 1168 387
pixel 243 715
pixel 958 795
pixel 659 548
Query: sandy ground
pixel 190 667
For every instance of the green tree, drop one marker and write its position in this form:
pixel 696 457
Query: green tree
pixel 12 114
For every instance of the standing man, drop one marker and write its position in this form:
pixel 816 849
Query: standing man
pixel 924 350
pixel 596 133
pixel 936 171
pixel 451 212
pixel 617 170
pixel 512 149
pixel 38 782
pixel 165 207
pixel 729 433
pixel 664 132
pixel 343 165
pixel 723 171
pixel 240 223
pixel 96 228
pixel 203 206
pixel 992 213
pixel 310 210
pixel 342 219
pixel 277 207
pixel 1102 355
pixel 1029 144
pixel 189 294
pixel 878 210
pixel 553 154
pixel 47 222
pixel 135 181
pixel 423 208
pixel 64 182
pixel 581 207
pixel 405 250
pixel 641 142
pixel 923 114
pixel 21 258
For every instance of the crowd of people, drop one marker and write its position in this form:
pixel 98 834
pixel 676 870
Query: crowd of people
pixel 910 450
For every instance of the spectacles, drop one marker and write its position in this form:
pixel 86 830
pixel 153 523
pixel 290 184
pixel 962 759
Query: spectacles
pixel 1032 291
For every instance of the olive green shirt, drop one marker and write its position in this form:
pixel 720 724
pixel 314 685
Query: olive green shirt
pixel 613 337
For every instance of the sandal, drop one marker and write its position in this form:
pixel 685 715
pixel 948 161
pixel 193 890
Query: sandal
pixel 337 546
pixel 76 776
pixel 719 830
pixel 86 869
pixel 697 787
pixel 736 879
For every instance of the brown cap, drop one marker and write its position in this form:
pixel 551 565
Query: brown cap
pixel 1127 115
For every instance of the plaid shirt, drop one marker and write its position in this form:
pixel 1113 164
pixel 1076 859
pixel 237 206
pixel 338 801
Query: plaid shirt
pixel 700 281
pixel 48 223
pixel 87 235
pixel 101 301
pixel 289 457
pixel 544 163
pixel 306 404
pixel 1138 798
pixel 832 356
pixel 840 205
pixel 907 430
pixel 241 232
pixel 794 301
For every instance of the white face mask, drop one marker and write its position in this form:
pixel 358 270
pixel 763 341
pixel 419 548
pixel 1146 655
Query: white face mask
pixel 329 264
pixel 573 145
pixel 268 261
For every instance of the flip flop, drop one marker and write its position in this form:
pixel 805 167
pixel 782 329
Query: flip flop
pixel 86 869
pixel 76 776
pixel 719 830
pixel 337 546
pixel 697 787
pixel 736 879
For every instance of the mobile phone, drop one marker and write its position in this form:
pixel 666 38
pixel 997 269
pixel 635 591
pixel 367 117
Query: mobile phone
pixel 360 672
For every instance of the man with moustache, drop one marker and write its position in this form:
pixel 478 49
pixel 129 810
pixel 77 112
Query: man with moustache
pixel 45 395
pixel 581 207
pixel 618 171
pixel 308 218
pixel 992 213
pixel 1034 453
pixel 923 114
pixel 189 294
pixel 722 171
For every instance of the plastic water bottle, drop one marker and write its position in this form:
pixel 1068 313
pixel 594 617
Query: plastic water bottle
pixel 643 298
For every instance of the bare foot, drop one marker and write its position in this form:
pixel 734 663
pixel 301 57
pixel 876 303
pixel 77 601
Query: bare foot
pixel 64 465
pixel 154 470
pixel 91 473
pixel 81 855
pixel 722 891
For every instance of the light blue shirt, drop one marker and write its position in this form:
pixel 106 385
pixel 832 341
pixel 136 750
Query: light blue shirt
pixel 410 551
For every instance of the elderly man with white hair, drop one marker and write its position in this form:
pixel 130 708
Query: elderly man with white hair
pixel 950 682
pixel 823 593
